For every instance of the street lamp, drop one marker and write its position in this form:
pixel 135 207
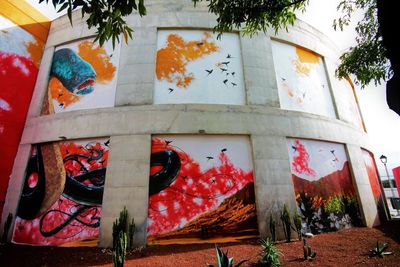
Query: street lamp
pixel 383 159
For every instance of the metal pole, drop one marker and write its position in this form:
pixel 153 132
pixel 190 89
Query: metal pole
pixel 390 181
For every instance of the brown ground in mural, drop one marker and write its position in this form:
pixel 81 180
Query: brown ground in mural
pixel 235 219
pixel 344 248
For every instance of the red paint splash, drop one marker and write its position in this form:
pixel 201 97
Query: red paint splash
pixel 194 192
pixel 28 231
pixel 372 175
pixel 17 80
pixel 301 161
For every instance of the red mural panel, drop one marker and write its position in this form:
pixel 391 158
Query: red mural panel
pixel 396 173
pixel 17 79
pixel 62 195
pixel 190 203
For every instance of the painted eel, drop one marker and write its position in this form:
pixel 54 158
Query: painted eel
pixel 84 194
pixel 33 191
pixel 171 163
pixel 77 75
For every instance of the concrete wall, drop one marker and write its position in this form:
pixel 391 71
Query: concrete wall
pixel 134 119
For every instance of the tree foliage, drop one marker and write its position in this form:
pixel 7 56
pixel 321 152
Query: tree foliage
pixel 367 61
pixel 105 15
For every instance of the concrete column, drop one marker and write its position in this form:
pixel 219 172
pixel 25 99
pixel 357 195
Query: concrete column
pixel 368 208
pixel 273 182
pixel 127 184
pixel 259 73
pixel 137 69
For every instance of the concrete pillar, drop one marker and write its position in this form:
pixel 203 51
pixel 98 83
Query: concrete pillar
pixel 273 182
pixel 127 184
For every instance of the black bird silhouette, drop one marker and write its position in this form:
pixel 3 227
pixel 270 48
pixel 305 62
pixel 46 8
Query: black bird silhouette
pixel 222 69
pixel 61 104
pixel 283 79
pixel 184 177
pixel 229 56
pixel 106 143
pixel 294 148
pixel 233 74
pixel 200 43
pixel 224 150
pixel 209 71
pixel 111 55
pixel 67 151
pixel 225 63
pixel 227 74
pixel 208 158
pixel 225 81
pixel 167 142
pixel 60 94
pixel 333 152
pixel 170 90
pixel 213 181
pixel 234 84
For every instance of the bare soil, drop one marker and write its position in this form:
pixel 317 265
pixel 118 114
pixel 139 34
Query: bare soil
pixel 343 248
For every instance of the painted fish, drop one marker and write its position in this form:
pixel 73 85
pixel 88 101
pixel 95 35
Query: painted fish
pixel 76 75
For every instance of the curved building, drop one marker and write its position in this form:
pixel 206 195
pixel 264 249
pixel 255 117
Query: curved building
pixel 202 139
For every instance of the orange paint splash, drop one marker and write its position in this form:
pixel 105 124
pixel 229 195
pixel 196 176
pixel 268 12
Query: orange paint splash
pixel 173 59
pixel 305 61
pixel 98 58
pixel 61 94
pixel 35 50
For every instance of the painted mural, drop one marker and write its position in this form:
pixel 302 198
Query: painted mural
pixel 62 194
pixel 201 190
pixel 302 81
pixel 194 67
pixel 323 185
pixel 82 76
pixel 350 111
pixel 374 181
pixel 20 54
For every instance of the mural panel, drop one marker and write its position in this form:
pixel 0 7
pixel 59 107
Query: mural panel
pixel 302 81
pixel 194 67
pixel 374 180
pixel 350 111
pixel 201 190
pixel 323 185
pixel 62 195
pixel 20 54
pixel 82 76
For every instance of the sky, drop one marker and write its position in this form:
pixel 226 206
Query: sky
pixel 383 125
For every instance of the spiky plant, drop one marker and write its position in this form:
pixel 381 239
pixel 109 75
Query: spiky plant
pixel 223 260
pixel 272 227
pixel 269 254
pixel 286 222
pixel 297 224
pixel 379 250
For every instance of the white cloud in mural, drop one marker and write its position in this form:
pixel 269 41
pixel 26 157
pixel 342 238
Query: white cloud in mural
pixel 194 67
pixel 313 160
pixel 302 81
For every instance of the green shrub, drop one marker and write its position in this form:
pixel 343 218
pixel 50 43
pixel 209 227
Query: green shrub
pixel 286 222
pixel 272 227
pixel 269 254
pixel 223 260
pixel 123 233
pixel 307 252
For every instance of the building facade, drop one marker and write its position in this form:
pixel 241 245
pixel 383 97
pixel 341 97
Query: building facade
pixel 202 139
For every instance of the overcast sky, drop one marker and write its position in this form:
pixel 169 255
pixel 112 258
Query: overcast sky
pixel 383 125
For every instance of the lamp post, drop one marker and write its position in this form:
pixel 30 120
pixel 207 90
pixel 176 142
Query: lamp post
pixel 383 159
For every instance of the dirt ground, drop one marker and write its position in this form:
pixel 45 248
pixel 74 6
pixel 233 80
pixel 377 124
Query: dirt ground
pixel 344 248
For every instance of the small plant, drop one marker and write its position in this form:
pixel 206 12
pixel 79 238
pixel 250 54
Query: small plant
pixel 379 250
pixel 123 232
pixel 223 260
pixel 287 224
pixel 272 227
pixel 6 229
pixel 297 224
pixel 270 254
pixel 308 253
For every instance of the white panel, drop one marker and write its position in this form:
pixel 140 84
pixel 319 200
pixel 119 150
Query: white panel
pixel 183 59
